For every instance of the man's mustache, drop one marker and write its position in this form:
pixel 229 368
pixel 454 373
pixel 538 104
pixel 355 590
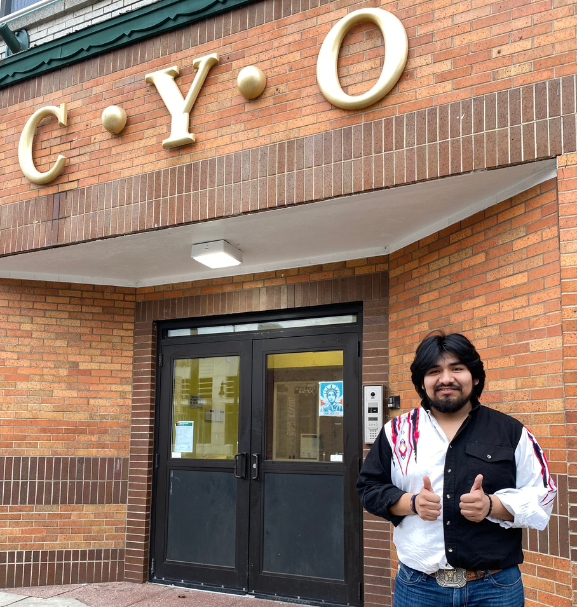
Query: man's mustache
pixel 445 386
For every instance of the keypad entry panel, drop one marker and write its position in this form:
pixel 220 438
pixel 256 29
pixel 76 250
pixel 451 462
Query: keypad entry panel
pixel 372 412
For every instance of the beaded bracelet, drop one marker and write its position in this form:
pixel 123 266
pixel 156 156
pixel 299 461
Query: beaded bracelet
pixel 490 505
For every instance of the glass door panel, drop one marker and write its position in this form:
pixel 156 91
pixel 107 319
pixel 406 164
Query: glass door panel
pixel 205 408
pixel 305 406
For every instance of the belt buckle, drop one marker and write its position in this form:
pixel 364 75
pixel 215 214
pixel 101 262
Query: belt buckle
pixel 451 578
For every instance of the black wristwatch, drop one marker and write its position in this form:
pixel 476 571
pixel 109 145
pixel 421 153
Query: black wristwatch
pixel 413 505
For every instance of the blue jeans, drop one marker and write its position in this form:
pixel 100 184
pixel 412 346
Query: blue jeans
pixel 416 589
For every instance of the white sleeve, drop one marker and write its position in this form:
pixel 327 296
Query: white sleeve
pixel 531 502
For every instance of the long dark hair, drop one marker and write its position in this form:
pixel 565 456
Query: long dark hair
pixel 434 346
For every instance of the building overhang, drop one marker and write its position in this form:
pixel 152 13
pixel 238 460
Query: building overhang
pixel 349 227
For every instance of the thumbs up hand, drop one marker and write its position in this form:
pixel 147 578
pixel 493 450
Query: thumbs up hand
pixel 428 504
pixel 475 504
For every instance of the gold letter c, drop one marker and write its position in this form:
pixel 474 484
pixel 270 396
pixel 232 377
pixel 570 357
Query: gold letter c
pixel 25 146
pixel 396 50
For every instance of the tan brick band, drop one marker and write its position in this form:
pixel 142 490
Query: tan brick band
pixel 46 567
pixel 495 130
pixel 63 480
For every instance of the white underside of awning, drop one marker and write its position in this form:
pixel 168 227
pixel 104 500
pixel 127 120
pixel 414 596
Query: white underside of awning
pixel 350 227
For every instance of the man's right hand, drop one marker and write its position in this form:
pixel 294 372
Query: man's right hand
pixel 428 504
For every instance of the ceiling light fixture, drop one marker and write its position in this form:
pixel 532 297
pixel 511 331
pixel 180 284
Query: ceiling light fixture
pixel 216 254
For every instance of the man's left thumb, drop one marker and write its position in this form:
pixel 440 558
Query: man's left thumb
pixel 478 484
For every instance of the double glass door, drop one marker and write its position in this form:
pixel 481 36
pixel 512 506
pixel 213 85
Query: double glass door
pixel 257 456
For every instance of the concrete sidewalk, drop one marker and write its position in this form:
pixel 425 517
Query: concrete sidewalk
pixel 125 594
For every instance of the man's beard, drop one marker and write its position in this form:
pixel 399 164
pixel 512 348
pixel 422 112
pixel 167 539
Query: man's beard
pixel 451 404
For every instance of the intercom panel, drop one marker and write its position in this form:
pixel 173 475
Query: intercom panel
pixel 372 412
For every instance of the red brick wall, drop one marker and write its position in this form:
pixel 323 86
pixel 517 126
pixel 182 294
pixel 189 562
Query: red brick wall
pixel 457 51
pixel 486 85
pixel 496 278
pixel 65 389
pixel 68 368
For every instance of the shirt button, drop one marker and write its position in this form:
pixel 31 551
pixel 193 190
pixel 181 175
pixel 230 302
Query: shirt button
pixel 448 522
pixel 448 496
pixel 449 470
pixel 450 446
pixel 488 457
pixel 450 550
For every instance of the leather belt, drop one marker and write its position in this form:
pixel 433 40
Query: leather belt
pixel 457 578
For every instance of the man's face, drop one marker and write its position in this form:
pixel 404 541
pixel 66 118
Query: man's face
pixel 449 384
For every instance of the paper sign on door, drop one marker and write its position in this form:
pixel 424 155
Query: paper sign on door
pixel 183 442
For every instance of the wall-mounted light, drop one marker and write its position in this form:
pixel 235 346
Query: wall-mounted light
pixel 216 254
pixel 15 41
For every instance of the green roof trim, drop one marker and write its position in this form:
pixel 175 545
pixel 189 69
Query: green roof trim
pixel 108 35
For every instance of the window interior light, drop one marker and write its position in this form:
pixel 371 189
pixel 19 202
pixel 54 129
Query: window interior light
pixel 216 254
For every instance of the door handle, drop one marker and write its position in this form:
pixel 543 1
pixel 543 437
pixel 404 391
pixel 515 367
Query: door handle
pixel 255 466
pixel 243 465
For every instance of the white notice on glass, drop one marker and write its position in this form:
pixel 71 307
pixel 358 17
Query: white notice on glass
pixel 183 442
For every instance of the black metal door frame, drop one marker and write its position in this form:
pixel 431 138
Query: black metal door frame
pixel 275 584
pixel 233 578
pixel 250 497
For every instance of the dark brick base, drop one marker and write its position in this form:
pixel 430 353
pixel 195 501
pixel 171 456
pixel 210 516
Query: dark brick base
pixel 63 480
pixel 47 567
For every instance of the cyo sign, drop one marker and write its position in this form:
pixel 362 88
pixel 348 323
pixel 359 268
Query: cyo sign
pixel 179 107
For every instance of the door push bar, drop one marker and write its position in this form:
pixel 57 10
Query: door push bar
pixel 242 473
pixel 255 466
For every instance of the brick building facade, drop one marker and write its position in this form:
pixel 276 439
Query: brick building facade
pixel 463 178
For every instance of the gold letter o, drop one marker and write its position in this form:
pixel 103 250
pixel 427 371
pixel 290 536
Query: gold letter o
pixel 396 49
pixel 25 146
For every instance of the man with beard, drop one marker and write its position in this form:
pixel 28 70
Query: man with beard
pixel 458 481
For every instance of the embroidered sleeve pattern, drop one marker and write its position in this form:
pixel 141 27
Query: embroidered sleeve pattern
pixel 375 486
pixel 531 502
pixel 405 436
pixel 548 483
